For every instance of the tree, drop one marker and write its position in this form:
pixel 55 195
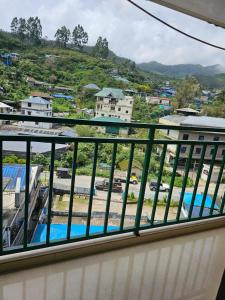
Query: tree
pixel 80 37
pixel 187 90
pixel 34 30
pixel 62 36
pixel 22 29
pixel 217 107
pixel 101 48
pixel 221 97
pixel 14 25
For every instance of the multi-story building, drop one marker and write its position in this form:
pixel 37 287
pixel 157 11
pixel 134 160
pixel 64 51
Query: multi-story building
pixel 185 135
pixel 36 106
pixel 114 103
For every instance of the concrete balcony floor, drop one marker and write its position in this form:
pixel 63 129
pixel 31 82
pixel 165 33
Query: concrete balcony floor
pixel 187 267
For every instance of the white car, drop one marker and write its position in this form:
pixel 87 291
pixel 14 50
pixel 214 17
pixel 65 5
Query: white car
pixel 162 188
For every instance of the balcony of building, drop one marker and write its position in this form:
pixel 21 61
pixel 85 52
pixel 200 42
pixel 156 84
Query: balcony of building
pixel 150 240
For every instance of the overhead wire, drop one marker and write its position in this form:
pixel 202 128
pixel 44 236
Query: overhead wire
pixel 175 28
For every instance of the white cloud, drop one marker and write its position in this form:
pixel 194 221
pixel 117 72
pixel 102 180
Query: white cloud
pixel 130 32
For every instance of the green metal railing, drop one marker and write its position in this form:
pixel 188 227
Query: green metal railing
pixel 148 143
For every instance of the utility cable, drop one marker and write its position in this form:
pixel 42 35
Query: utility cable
pixel 176 29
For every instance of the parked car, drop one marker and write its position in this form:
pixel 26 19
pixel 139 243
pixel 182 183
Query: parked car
pixel 63 173
pixel 162 188
pixel 133 179
pixel 104 186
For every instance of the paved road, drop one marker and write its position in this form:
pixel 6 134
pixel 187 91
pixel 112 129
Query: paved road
pixel 85 181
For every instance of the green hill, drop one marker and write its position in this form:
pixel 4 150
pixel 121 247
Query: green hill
pixel 181 70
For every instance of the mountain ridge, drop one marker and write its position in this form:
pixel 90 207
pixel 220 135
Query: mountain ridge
pixel 181 70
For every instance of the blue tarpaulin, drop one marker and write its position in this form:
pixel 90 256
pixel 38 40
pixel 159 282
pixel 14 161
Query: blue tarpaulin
pixel 62 96
pixel 59 231
pixel 197 204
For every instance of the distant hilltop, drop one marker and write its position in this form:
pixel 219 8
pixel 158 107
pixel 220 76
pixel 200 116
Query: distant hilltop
pixel 181 70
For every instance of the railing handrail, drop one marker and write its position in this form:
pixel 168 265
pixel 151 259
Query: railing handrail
pixel 65 140
pixel 68 121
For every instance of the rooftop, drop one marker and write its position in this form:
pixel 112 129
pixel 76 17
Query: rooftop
pixel 108 119
pixel 3 105
pixel 36 100
pixel 111 92
pixel 41 95
pixel 36 147
pixel 178 119
pixel 13 172
pixel 204 121
pixel 201 121
pixel 187 110
pixel 92 86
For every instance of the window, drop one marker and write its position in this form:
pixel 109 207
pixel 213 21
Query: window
pixel 198 150
pixel 127 111
pixel 185 136
pixel 47 105
pixel 36 123
pixel 131 102
pixel 223 152
pixel 112 107
pixel 29 113
pixel 102 115
pixel 201 138
pixel 119 109
pixel 216 138
pixel 183 149
pixel 29 104
pixel 212 151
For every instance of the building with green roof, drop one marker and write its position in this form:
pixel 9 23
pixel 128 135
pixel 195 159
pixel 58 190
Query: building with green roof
pixel 114 103
pixel 111 129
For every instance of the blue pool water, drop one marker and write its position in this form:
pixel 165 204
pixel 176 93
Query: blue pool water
pixel 59 231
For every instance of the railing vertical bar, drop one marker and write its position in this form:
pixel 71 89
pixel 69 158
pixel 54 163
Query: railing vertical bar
pixel 144 178
pixel 27 195
pixel 158 183
pixel 199 172
pixel 187 168
pixel 208 181
pixel 75 145
pixel 50 194
pixel 169 198
pixel 125 195
pixel 219 178
pixel 92 189
pixel 110 187
pixel 222 204
pixel 1 199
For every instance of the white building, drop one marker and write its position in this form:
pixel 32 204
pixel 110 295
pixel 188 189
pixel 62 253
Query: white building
pixel 37 107
pixel 5 109
pixel 185 135
pixel 158 100
pixel 114 103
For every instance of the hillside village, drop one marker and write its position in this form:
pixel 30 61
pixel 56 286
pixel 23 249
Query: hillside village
pixel 58 79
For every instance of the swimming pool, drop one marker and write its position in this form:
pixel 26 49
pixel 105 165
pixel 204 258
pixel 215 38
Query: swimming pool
pixel 59 231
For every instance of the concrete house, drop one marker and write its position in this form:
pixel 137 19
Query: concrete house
pixel 39 107
pixel 112 102
pixel 5 109
pixel 196 121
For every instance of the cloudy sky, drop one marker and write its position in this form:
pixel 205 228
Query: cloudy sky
pixel 131 33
